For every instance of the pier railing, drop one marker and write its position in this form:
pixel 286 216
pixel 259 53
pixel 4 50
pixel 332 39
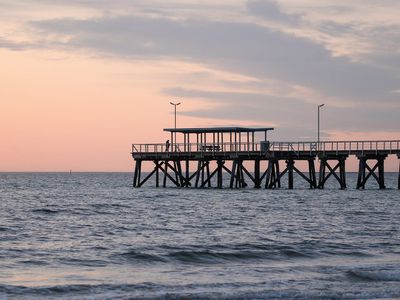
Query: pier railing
pixel 349 147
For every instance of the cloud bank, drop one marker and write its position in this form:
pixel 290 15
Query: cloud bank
pixel 300 44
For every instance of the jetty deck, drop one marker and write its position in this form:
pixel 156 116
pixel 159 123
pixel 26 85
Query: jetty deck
pixel 229 151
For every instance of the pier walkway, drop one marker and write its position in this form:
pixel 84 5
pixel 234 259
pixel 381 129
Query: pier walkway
pixel 234 152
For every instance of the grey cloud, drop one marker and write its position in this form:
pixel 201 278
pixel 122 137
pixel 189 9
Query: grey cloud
pixel 8 44
pixel 254 102
pixel 289 113
pixel 270 10
pixel 238 47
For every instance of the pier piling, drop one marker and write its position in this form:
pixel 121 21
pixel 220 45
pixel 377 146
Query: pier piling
pixel 398 178
pixel 365 171
pixel 324 165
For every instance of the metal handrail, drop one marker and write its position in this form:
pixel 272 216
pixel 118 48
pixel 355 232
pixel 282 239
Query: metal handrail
pixel 308 146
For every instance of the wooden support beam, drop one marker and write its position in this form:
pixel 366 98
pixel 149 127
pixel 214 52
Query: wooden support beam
pixel 157 166
pixel 321 177
pixel 233 172
pixel 157 174
pixel 311 174
pixel 267 174
pixel 290 168
pixel 209 177
pixel 371 171
pixel 237 175
pixel 175 168
pixel 134 175
pixel 241 169
pixel 398 178
pixel 136 172
pixel 220 164
pixel 332 171
pixel 179 174
pixel 340 165
pixel 277 173
pixel 198 171
pixel 257 178
pixel 238 181
pixel 187 169
pixel 148 177
pixel 139 173
pixel 165 173
pixel 248 174
pixel 276 177
pixel 208 173
pixel 226 169
pixel 361 171
pixel 273 176
pixel 342 169
pixel 381 172
pixel 309 180
pixel 202 175
pixel 363 176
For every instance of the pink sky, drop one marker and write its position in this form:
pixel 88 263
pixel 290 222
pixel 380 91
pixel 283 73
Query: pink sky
pixel 81 82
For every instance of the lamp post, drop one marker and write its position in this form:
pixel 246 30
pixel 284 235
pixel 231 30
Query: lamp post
pixel 319 108
pixel 175 105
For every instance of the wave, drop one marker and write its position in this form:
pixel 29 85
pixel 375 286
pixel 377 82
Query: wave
pixel 209 256
pixel 375 275
pixel 138 256
pixel 34 262
pixel 45 211
pixel 83 262
pixel 238 252
pixel 108 205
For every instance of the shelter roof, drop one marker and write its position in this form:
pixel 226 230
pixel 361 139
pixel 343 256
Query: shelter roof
pixel 219 129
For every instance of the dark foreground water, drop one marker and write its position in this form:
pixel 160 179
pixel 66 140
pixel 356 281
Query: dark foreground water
pixel 92 236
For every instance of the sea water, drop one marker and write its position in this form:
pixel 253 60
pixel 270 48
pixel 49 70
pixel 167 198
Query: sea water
pixel 93 236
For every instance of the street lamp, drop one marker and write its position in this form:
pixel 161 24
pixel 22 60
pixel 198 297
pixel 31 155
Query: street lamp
pixel 175 105
pixel 319 107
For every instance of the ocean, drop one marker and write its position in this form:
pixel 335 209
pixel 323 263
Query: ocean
pixel 93 236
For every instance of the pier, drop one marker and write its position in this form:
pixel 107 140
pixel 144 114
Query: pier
pixel 246 156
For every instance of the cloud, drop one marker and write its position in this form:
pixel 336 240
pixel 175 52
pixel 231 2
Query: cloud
pixel 361 30
pixel 270 10
pixel 237 47
pixel 255 51
pixel 287 112
pixel 11 45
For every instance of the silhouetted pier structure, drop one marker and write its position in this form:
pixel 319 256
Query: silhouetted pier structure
pixel 246 156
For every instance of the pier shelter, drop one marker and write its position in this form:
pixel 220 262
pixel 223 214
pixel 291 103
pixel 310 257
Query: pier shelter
pixel 237 157
pixel 218 139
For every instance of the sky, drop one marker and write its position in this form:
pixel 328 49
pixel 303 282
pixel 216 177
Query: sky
pixel 82 80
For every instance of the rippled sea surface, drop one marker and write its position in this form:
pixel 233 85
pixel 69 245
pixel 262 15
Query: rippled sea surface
pixel 93 236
